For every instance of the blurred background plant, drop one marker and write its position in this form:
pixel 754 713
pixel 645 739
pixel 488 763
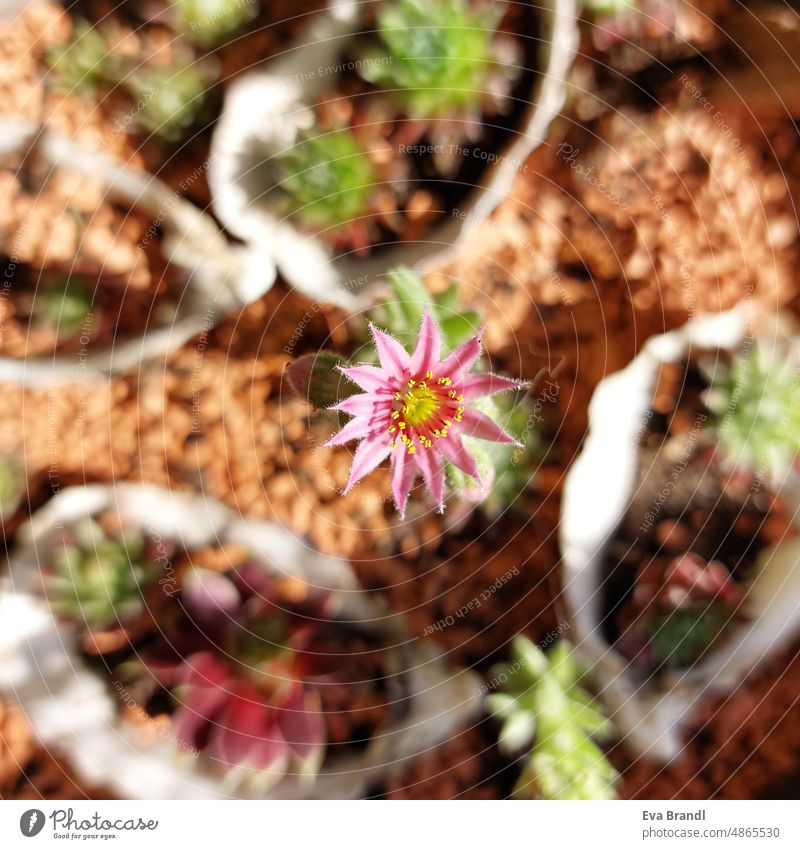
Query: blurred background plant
pixel 85 64
pixel 209 23
pixel 63 304
pixel 237 658
pixel 96 578
pixel 327 181
pixel 679 609
pixel 169 99
pixel 439 58
pixel 167 94
pixel 755 399
pixel 547 711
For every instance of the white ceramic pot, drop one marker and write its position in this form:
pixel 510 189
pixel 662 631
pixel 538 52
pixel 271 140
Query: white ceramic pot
pixel 72 710
pixel 264 110
pixel 596 496
pixel 220 278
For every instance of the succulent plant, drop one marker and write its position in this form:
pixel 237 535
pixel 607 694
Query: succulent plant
pixel 95 578
pixel 416 410
pixel 237 665
pixel 755 400
pixel 170 98
pixel 85 63
pixel 64 304
pixel 679 609
pixel 437 56
pixel 425 408
pixel 326 180
pixel 547 711
pixel 504 467
pixel 209 23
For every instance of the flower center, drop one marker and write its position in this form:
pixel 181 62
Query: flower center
pixel 424 412
pixel 420 403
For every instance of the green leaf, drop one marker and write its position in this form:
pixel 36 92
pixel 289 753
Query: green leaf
pixel 544 707
pixel 210 22
pixel 501 705
pixel 84 63
pixel 533 659
pixel 518 732
pixel 459 327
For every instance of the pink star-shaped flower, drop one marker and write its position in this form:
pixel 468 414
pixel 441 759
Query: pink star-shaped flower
pixel 415 410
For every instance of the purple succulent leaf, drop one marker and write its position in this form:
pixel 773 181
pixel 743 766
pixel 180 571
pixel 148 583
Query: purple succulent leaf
pixel 209 595
pixel 247 734
pixel 303 727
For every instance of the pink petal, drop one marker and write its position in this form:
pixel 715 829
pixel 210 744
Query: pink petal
pixel 404 470
pixel 429 346
pixel 456 452
pixel 368 404
pixel 393 356
pixel 355 429
pixel 208 595
pixel 481 385
pixel 480 426
pixel 460 361
pixel 369 378
pixel 369 454
pixel 429 462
